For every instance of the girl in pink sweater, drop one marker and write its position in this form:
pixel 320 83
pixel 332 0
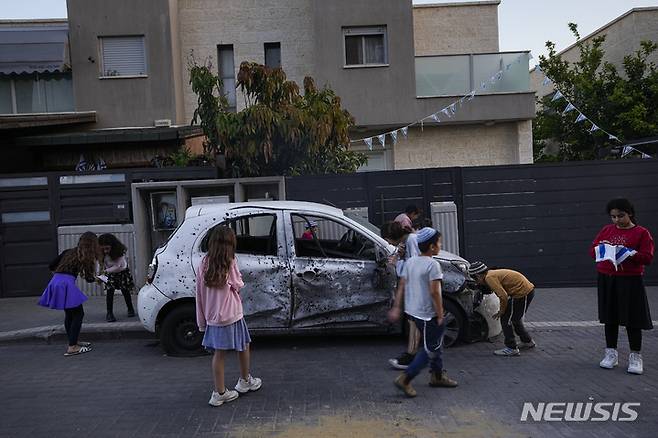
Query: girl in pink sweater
pixel 219 314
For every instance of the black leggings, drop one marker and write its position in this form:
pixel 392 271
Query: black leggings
pixel 634 336
pixel 73 323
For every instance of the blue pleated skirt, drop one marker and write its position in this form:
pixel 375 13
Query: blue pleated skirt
pixel 62 293
pixel 229 337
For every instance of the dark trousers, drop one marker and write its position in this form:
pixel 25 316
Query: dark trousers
pixel 73 323
pixel 512 320
pixel 430 351
pixel 109 300
pixel 634 336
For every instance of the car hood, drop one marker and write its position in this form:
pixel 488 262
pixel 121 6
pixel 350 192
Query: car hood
pixel 450 257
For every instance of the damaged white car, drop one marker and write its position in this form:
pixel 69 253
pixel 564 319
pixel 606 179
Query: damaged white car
pixel 307 268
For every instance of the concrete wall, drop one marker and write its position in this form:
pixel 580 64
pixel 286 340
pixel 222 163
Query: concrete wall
pixel 451 28
pixel 122 101
pixel 623 37
pixel 247 24
pixel 465 145
pixel 374 95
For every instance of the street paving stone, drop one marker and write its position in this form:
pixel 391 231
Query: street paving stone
pixel 319 386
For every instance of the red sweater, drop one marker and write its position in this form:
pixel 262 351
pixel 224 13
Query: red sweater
pixel 637 238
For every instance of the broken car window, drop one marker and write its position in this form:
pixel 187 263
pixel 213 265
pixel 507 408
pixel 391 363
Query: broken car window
pixel 321 237
pixel 255 234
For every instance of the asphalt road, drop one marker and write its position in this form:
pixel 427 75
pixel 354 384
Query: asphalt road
pixel 321 386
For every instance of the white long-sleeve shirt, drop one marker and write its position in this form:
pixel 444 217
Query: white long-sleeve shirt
pixel 113 266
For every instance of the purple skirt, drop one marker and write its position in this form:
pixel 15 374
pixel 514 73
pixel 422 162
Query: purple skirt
pixel 229 337
pixel 62 293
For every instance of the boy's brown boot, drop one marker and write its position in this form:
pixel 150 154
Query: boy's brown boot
pixel 442 380
pixel 405 386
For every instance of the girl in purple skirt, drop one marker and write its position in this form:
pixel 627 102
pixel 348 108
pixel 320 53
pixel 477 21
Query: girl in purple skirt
pixel 219 313
pixel 62 292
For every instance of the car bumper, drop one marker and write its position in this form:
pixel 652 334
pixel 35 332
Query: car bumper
pixel 149 302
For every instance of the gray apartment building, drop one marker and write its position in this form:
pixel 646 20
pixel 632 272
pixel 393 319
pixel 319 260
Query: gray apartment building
pixel 391 62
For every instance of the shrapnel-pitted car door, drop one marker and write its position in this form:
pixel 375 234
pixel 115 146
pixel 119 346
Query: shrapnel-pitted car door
pixel 338 279
pixel 263 263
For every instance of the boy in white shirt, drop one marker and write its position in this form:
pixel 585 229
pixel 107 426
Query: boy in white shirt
pixel 420 285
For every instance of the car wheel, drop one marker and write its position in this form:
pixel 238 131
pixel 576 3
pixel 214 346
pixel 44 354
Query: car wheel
pixel 179 334
pixel 454 322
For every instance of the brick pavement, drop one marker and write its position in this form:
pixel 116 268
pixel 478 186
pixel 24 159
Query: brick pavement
pixel 319 386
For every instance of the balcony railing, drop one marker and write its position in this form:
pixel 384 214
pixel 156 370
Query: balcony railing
pixel 457 75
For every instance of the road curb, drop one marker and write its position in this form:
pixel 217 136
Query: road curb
pixel 92 331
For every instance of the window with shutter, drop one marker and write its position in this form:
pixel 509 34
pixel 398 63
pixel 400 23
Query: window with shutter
pixel 123 56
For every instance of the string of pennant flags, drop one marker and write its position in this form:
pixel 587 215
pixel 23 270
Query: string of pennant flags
pixel 450 110
pixel 439 116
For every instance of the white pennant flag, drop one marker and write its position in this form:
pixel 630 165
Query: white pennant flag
pixel 470 95
pixel 368 141
pixel 645 155
pixel 446 112
pixel 404 131
pixel 435 117
pixel 394 136
pixel 580 118
pixel 382 140
pixel 557 96
pixel 593 128
pixel 569 107
pixel 612 137
pixel 453 108
pixel 546 81
pixel 627 150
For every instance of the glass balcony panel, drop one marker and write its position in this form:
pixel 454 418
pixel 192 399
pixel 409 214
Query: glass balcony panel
pixel 450 75
pixel 442 75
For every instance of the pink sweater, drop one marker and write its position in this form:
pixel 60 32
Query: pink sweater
pixel 218 306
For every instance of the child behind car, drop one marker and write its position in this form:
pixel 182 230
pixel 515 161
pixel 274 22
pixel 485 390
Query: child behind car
pixel 420 285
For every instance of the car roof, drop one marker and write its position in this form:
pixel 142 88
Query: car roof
pixel 204 209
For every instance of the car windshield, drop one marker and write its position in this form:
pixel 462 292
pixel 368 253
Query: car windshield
pixel 361 221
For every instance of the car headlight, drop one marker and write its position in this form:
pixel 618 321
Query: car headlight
pixel 151 270
pixel 462 266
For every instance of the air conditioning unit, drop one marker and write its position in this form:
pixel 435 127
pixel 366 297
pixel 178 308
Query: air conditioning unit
pixel 162 123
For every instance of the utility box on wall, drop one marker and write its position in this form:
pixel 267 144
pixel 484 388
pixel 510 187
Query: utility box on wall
pixel 444 218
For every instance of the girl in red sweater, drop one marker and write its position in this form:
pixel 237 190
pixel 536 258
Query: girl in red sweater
pixel 621 293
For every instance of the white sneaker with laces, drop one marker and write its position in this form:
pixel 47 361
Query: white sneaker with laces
pixel 507 352
pixel 635 363
pixel 251 384
pixel 217 399
pixel 610 360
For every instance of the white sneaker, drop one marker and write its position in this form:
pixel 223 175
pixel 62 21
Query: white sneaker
pixel 217 399
pixel 507 352
pixel 635 363
pixel 251 384
pixel 610 360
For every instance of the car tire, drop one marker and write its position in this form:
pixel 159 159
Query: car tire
pixel 454 321
pixel 179 334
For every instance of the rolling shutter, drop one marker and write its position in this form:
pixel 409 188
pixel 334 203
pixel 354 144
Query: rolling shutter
pixel 123 56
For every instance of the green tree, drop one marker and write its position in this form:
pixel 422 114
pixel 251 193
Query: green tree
pixel 280 131
pixel 624 104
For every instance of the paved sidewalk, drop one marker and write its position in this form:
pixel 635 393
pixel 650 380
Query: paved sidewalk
pixel 21 319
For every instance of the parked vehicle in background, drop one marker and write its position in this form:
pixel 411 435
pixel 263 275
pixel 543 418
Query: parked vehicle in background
pixel 339 281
